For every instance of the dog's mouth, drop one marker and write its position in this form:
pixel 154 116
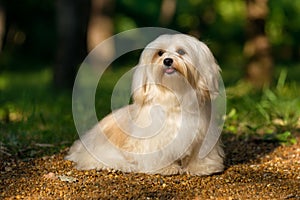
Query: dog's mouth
pixel 169 70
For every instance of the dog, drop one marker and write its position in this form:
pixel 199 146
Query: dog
pixel 163 129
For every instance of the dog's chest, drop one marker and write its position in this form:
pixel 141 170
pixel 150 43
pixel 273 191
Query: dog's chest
pixel 156 127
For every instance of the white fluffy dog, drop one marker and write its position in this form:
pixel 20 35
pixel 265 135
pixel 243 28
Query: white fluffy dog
pixel 163 129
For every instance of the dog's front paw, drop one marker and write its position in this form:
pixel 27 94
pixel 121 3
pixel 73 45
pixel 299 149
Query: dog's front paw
pixel 204 170
pixel 169 170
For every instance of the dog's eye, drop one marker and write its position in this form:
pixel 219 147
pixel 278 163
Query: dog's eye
pixel 160 52
pixel 180 51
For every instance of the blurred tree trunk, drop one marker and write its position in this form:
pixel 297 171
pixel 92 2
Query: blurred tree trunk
pixel 101 27
pixel 259 69
pixel 71 49
pixel 167 12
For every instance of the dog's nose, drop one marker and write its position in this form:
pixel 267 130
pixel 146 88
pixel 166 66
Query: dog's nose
pixel 168 62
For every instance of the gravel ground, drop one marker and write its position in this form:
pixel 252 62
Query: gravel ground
pixel 255 169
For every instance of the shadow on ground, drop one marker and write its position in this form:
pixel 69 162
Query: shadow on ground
pixel 239 150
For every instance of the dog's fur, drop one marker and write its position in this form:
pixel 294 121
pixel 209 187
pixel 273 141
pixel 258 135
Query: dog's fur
pixel 162 131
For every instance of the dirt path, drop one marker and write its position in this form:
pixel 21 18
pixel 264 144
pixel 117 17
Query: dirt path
pixel 255 170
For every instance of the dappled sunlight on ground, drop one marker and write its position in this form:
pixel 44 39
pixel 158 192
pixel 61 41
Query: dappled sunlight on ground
pixel 255 170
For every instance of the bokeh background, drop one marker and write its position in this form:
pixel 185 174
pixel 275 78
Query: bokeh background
pixel 43 42
pixel 60 33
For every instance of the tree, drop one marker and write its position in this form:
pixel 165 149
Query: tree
pixel 259 69
pixel 100 25
pixel 71 28
pixel 167 11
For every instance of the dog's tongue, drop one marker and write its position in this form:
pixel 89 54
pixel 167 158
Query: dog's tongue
pixel 169 70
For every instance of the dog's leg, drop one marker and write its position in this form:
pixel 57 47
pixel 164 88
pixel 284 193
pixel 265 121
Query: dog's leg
pixel 212 163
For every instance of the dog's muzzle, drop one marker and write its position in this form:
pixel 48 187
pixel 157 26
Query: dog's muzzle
pixel 168 66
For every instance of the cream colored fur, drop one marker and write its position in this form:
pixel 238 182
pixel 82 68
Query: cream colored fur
pixel 162 131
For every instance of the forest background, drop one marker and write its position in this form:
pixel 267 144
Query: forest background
pixel 43 42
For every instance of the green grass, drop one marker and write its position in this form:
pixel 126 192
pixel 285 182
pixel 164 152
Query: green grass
pixel 271 114
pixel 34 115
pixel 32 112
pixel 36 119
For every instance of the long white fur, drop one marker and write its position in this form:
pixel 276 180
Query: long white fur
pixel 162 131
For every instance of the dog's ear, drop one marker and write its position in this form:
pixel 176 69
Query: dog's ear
pixel 209 83
pixel 138 87
pixel 142 80
pixel 209 72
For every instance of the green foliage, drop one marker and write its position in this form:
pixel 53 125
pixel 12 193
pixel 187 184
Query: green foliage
pixel 273 114
pixel 283 27
pixel 284 138
pixel 283 21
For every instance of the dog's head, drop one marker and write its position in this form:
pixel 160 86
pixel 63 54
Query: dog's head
pixel 178 63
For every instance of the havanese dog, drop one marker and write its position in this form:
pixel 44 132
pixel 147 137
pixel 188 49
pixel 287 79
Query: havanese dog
pixel 162 131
